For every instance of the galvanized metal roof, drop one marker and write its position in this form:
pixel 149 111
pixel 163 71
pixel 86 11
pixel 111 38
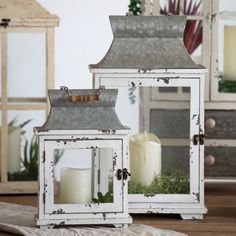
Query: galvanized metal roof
pixel 26 13
pixel 147 42
pixel 82 109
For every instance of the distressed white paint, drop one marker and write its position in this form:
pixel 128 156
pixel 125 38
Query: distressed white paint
pixel 51 213
pixel 188 205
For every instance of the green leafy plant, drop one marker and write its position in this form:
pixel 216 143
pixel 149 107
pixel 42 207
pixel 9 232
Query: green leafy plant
pixel 13 123
pixel 29 162
pixel 103 198
pixel 135 7
pixel 226 86
pixel 30 159
pixel 194 28
pixel 175 182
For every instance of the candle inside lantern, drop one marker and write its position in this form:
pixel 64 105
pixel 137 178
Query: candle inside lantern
pixel 145 157
pixel 229 52
pixel 75 185
pixel 14 149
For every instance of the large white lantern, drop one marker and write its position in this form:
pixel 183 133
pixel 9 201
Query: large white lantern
pixel 148 51
pixel 83 129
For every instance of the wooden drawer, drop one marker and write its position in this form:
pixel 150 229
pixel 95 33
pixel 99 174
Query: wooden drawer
pixel 166 123
pixel 225 162
pixel 225 124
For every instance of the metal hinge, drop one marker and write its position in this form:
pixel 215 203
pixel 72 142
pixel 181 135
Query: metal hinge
pixel 44 198
pixel 44 154
pixel 5 22
pixel 198 138
pixel 122 174
pixel 99 176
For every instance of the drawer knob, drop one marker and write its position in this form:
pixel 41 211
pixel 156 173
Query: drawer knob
pixel 210 123
pixel 210 160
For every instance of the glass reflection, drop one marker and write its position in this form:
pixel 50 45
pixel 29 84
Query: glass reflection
pixel 77 180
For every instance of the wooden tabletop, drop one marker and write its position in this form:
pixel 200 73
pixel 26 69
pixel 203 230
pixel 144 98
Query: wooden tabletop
pixel 219 221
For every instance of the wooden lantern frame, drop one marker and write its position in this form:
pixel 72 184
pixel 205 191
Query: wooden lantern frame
pixel 22 16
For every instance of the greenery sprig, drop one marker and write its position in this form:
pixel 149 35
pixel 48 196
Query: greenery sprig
pixel 103 198
pixel 175 182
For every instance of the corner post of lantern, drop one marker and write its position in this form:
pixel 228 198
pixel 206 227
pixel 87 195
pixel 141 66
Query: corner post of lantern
pixel 152 65
pixel 83 127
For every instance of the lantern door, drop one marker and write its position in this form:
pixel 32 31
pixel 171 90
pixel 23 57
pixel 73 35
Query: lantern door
pixel 172 160
pixel 178 176
pixel 73 182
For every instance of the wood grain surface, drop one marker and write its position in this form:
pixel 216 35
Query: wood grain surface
pixel 220 220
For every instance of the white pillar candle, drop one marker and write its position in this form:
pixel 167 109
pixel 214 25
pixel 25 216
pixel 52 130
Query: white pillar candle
pixel 230 52
pixel 75 186
pixel 13 149
pixel 145 158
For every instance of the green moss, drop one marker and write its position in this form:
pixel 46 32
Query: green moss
pixel 103 198
pixel 167 183
pixel 22 176
pixel 227 86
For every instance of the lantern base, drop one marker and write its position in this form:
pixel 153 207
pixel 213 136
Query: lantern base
pixel 192 216
pixel 118 222
pixel 186 212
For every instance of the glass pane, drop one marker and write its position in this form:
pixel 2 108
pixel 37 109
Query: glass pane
pixel 168 90
pixel 128 100
pixel 193 39
pixel 160 159
pixel 26 65
pixel 76 181
pixel 227 5
pixel 170 93
pixel 227 56
pixel 186 7
pixel 193 7
pixel 22 144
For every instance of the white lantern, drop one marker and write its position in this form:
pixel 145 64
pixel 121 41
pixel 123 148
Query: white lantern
pixel 82 129
pixel 148 51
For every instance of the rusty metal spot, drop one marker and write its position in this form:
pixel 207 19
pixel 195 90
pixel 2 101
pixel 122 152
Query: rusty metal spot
pixel 107 131
pixel 150 212
pixel 144 70
pixel 149 195
pixel 197 196
pixel 132 84
pixel 59 211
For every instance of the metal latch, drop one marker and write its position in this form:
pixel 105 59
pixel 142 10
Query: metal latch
pixel 122 173
pixel 5 22
pixel 199 138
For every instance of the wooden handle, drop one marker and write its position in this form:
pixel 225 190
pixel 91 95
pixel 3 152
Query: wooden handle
pixel 84 98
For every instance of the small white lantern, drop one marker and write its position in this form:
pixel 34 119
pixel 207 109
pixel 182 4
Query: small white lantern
pixel 82 129
pixel 148 51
